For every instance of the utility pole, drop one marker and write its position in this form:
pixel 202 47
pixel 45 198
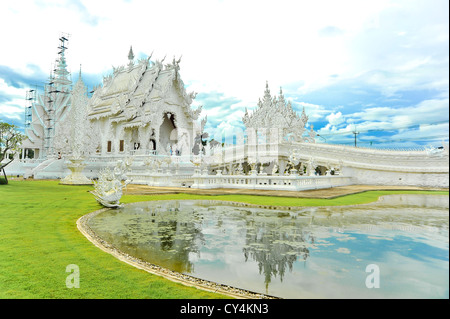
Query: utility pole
pixel 356 133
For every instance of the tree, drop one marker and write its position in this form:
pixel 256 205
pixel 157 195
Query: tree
pixel 10 141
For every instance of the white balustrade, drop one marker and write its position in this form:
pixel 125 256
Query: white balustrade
pixel 290 182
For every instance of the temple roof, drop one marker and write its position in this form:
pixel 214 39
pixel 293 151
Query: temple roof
pixel 274 112
pixel 130 91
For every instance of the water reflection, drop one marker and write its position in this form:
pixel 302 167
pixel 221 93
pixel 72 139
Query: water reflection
pixel 311 252
pixel 275 246
pixel 142 231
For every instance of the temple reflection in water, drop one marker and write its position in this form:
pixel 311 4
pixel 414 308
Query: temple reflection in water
pixel 309 252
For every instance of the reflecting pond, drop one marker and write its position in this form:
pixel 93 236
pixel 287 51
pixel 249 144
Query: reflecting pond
pixel 312 252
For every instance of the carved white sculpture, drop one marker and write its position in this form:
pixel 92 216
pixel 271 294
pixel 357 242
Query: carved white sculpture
pixel 274 169
pixel 311 135
pixel 76 176
pixel 240 169
pixel 433 151
pixel 110 184
pixel 311 167
pixel 252 162
pixel 75 136
pixel 294 160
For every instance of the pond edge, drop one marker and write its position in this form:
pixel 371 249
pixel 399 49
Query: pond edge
pixel 83 227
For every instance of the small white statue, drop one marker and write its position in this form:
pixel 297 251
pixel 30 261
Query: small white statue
pixel 274 169
pixel 108 188
pixel 240 169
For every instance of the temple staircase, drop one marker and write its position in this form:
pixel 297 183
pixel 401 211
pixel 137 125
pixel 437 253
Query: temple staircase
pixel 40 167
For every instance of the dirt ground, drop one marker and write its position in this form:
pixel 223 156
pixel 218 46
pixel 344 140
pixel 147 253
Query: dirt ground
pixel 132 189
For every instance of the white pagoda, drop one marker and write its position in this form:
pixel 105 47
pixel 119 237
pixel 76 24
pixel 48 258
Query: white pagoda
pixel 44 111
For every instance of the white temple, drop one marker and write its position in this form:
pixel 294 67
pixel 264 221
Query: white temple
pixel 143 107
pixel 141 114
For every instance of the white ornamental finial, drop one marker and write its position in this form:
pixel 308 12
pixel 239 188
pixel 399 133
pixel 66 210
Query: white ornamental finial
pixel 130 53
pixel 130 56
pixel 267 91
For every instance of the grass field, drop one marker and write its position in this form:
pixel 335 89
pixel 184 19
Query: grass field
pixel 39 239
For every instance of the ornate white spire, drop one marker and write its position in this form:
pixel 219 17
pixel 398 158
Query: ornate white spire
pixel 131 56
pixel 267 91
pixel 79 85
pixel 267 97
pixel 130 53
pixel 281 100
pixel 60 77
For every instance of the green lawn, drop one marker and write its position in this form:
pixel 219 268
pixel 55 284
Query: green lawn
pixel 39 238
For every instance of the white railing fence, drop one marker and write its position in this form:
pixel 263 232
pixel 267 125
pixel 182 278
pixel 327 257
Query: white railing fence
pixel 269 182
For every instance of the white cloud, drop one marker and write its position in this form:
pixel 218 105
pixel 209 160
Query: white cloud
pixel 220 41
pixel 12 111
pixel 426 121
pixel 437 132
pixel 335 118
pixel 233 47
pixel 14 107
pixel 11 91
pixel 314 112
pixel 426 112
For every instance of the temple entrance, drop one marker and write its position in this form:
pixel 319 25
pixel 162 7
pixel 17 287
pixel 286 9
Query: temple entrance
pixel 134 142
pixel 165 130
pixel 152 145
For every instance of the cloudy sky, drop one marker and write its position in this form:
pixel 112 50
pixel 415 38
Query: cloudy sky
pixel 380 68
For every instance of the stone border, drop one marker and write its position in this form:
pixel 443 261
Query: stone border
pixel 83 227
